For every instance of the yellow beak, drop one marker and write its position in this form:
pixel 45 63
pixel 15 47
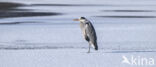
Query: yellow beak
pixel 76 20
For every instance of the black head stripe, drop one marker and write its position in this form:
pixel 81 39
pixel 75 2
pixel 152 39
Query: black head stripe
pixel 82 18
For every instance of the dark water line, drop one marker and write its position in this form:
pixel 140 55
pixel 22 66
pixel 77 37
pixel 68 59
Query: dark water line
pixel 26 14
pixel 127 16
pixel 69 5
pixel 128 10
pixel 111 5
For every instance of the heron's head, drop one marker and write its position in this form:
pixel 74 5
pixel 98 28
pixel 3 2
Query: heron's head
pixel 81 19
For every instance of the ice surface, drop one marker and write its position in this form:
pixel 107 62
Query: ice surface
pixel 68 58
pixel 123 27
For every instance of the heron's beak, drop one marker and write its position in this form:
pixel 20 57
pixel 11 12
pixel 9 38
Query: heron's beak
pixel 76 19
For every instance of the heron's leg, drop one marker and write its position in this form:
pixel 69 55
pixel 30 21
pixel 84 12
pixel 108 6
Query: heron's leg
pixel 89 49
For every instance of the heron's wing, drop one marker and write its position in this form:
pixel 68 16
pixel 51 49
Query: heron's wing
pixel 91 34
pixel 90 31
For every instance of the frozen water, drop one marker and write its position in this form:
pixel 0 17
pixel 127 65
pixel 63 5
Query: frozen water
pixel 42 34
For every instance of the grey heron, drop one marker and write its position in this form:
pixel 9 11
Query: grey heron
pixel 88 32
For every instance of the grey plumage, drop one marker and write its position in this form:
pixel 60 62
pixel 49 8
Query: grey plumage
pixel 88 32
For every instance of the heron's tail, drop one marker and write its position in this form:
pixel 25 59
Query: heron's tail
pixel 96 46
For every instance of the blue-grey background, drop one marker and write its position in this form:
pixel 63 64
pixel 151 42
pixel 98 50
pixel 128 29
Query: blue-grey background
pixel 41 28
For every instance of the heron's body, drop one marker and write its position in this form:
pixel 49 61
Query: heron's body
pixel 88 32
